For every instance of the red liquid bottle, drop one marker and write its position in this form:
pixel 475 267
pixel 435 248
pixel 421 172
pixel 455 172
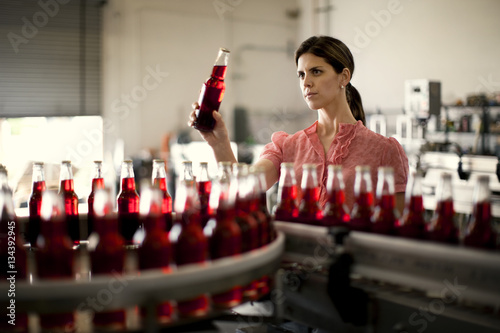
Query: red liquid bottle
pixel 204 185
pixel 35 202
pixel 212 93
pixel 286 208
pixel 266 236
pixel 159 180
pixel 97 184
pixel 412 224
pixel 225 238
pixel 309 210
pixel 335 212
pixel 189 243
pixel 155 250
pixel 248 224
pixel 385 217
pixel 479 232
pixel 13 257
pixel 363 206
pixel 128 204
pixel 54 258
pixel 259 211
pixel 108 258
pixel 67 191
pixel 442 225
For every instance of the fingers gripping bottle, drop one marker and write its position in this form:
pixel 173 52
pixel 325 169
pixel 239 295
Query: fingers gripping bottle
pixel 212 93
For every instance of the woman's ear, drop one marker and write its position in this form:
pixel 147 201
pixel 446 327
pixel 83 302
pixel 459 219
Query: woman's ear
pixel 345 76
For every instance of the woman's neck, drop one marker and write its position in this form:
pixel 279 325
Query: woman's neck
pixel 330 118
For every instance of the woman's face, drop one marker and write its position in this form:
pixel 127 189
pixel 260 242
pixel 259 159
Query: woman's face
pixel 319 82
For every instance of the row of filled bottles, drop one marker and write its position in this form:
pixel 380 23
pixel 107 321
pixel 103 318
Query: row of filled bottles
pixel 378 214
pixel 214 219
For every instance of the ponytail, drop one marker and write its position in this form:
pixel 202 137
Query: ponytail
pixel 355 103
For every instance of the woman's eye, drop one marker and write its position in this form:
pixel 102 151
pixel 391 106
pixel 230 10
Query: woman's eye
pixel 300 75
pixel 316 71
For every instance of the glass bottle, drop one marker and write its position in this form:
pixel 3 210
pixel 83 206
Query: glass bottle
pixel 155 251
pixel 108 257
pixel 97 184
pixel 248 224
pixel 362 208
pixel 385 217
pixel 204 185
pixel 13 255
pixel 259 208
pixel 128 203
pixel 212 93
pixel 309 210
pixel 35 202
pixel 412 223
pixel 286 208
pixel 189 243
pixel 225 239
pixel 159 180
pixel 479 232
pixel 442 225
pixel 54 258
pixel 67 191
pixel 335 212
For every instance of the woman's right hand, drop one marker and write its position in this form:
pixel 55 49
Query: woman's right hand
pixel 219 135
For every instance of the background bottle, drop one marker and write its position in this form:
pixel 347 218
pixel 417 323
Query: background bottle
pixel 97 184
pixel 309 210
pixel 412 223
pixel 159 180
pixel 212 93
pixel 286 207
pixel 248 224
pixel 189 243
pixel 67 191
pixel 35 202
pixel 108 257
pixel 128 203
pixel 385 218
pixel 225 238
pixel 479 232
pixel 155 251
pixel 335 212
pixel 54 258
pixel 10 237
pixel 362 208
pixel 442 225
pixel 204 185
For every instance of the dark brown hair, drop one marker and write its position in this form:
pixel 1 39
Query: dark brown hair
pixel 338 55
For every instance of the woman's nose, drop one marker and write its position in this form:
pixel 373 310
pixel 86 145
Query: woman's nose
pixel 307 81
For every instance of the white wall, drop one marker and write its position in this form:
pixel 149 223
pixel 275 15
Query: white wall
pixel 179 40
pixel 455 42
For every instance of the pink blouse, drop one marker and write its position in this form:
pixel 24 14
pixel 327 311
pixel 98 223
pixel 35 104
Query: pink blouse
pixel 353 145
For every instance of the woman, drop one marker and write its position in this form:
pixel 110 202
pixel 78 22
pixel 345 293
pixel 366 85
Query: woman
pixel 324 68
